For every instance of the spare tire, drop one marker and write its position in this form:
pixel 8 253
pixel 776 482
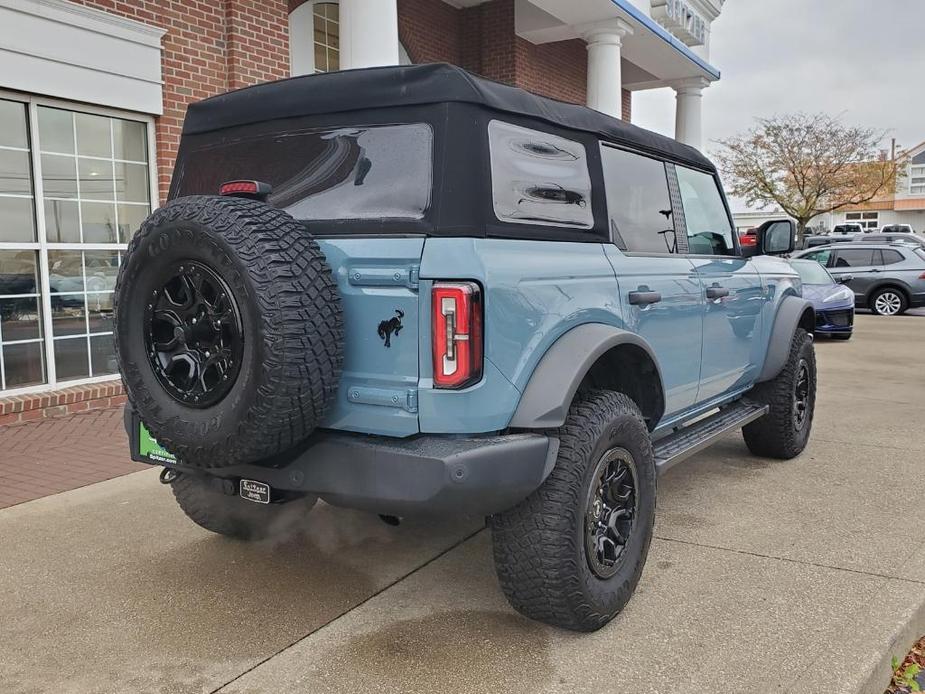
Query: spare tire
pixel 229 330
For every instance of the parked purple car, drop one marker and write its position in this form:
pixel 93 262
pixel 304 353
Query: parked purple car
pixel 832 300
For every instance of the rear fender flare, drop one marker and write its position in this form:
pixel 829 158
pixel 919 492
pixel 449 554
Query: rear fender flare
pixel 555 380
pixel 794 312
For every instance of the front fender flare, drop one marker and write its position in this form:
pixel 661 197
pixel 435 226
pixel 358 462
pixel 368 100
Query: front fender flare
pixel 555 380
pixel 789 314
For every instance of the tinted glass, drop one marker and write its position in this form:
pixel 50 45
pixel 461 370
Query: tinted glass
pixel 62 224
pixel 811 272
pixel 348 173
pixel 854 257
pixel 17 223
pixel 821 257
pixel 13 124
pixel 709 231
pixel 638 202
pixel 18 272
pixel 20 319
pixel 130 140
pixel 890 257
pixel 538 178
pixel 15 174
pixel 71 358
pixel 93 136
pixel 24 364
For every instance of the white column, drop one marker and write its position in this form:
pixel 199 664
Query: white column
pixel 368 33
pixel 605 83
pixel 688 123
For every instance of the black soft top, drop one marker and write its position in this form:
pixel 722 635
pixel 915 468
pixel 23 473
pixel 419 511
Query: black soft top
pixel 417 85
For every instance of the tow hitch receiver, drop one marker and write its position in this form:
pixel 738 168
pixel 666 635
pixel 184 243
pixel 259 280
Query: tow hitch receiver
pixel 258 492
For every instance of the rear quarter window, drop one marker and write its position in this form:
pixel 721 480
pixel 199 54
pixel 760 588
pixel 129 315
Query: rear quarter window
pixel 538 178
pixel 369 172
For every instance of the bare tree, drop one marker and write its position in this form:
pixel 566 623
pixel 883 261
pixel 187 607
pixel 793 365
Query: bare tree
pixel 807 165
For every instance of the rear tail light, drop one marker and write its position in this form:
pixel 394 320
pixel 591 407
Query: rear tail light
pixel 457 333
pixel 257 190
pixel 922 276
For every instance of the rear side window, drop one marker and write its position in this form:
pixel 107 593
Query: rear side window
pixel 638 202
pixel 370 172
pixel 538 178
pixel 854 257
pixel 709 231
pixel 890 257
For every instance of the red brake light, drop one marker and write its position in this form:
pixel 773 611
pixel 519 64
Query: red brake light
pixel 457 333
pixel 245 189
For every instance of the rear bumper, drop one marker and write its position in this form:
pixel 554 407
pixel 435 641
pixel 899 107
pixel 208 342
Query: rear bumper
pixel 423 475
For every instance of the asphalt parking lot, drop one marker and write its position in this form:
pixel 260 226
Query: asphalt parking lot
pixel 797 576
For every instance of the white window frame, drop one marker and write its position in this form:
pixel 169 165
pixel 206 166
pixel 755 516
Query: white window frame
pixel 42 245
pixel 869 221
pixel 917 171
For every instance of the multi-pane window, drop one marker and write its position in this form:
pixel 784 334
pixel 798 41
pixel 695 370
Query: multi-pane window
pixel 867 220
pixel 325 19
pixel 917 180
pixel 73 189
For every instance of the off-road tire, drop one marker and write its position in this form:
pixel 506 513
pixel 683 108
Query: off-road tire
pixel 203 501
pixel 539 545
pixel 291 318
pixel 775 435
pixel 898 293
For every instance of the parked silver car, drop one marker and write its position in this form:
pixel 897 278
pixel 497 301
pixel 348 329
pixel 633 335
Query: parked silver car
pixel 886 278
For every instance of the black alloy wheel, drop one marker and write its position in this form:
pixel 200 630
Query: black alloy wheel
pixel 610 511
pixel 193 335
pixel 801 395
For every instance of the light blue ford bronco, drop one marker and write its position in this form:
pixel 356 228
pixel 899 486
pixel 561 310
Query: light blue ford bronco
pixel 410 290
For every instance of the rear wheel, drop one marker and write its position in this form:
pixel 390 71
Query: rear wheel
pixel 888 302
pixel 791 398
pixel 204 500
pixel 229 330
pixel 571 553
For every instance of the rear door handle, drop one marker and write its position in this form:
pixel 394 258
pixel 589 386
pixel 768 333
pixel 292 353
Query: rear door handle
pixel 644 298
pixel 717 292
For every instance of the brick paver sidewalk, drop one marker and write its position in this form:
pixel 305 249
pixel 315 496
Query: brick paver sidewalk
pixel 54 455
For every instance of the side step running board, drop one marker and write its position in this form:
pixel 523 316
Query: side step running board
pixel 675 447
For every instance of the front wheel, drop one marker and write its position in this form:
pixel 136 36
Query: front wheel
pixel 888 302
pixel 571 553
pixel 791 399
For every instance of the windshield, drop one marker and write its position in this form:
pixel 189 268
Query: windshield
pixel 812 272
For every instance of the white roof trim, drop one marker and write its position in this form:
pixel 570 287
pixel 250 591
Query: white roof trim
pixel 90 18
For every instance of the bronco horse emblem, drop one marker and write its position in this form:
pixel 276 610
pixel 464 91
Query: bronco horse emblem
pixel 392 325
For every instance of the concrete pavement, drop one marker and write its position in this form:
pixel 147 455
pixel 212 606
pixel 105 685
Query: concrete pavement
pixel 799 576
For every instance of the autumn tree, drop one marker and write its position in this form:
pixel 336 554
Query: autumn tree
pixel 807 165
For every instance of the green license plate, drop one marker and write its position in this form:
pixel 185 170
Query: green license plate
pixel 150 450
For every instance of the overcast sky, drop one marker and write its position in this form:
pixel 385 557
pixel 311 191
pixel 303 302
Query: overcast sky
pixel 864 59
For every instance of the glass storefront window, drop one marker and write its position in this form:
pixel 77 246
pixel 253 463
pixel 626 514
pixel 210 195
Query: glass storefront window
pixel 91 177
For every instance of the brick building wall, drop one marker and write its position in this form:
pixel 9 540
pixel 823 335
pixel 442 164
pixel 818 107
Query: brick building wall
pixel 209 48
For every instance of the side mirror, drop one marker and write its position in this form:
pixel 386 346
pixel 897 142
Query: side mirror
pixel 844 279
pixel 777 237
